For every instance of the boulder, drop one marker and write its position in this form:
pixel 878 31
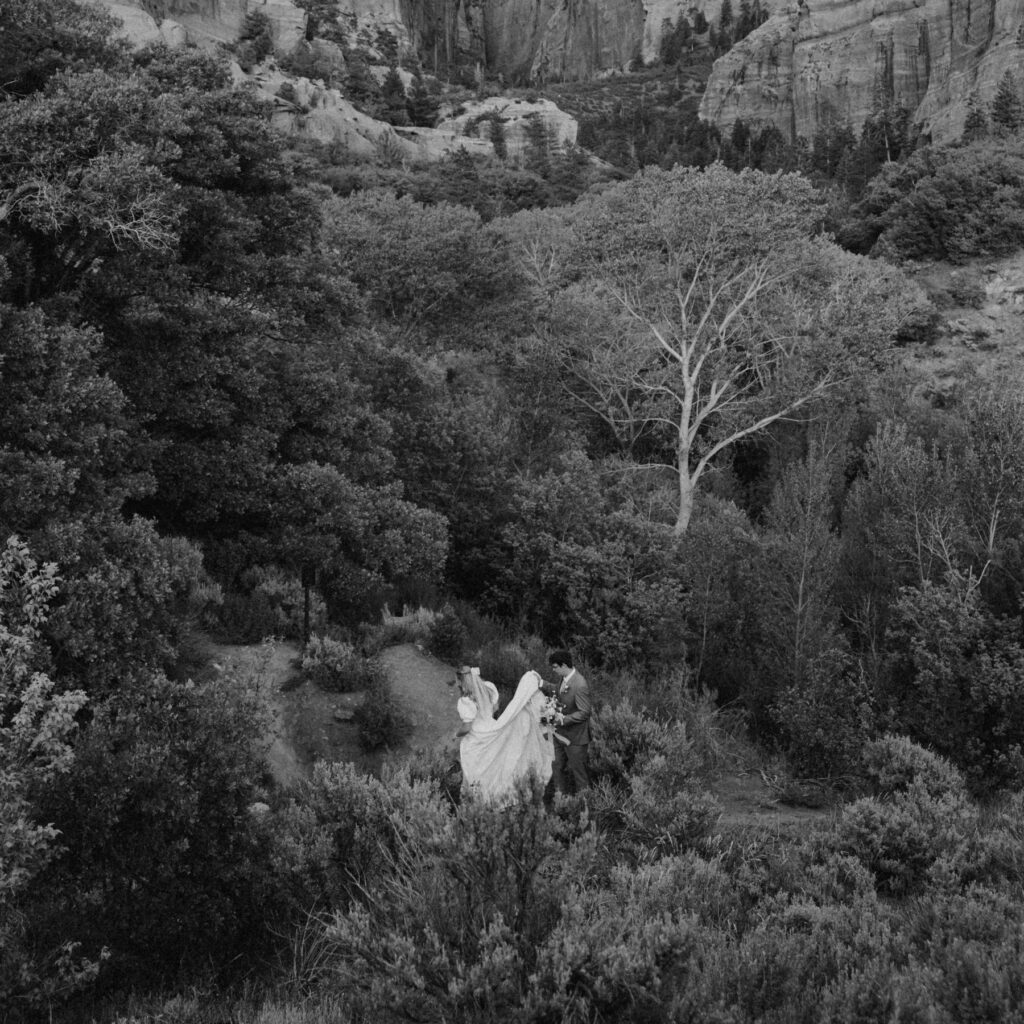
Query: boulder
pixel 307 108
pixel 474 121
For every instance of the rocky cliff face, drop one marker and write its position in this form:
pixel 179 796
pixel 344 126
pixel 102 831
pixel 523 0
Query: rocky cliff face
pixel 205 22
pixel 523 40
pixel 827 61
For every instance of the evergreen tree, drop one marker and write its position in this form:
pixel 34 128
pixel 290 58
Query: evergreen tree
pixel 422 106
pixel 745 24
pixel 740 141
pixel 538 145
pixel 498 137
pixel 361 89
pixel 976 123
pixel 725 16
pixel 1007 110
pixel 700 23
pixel 395 101
pixel 321 18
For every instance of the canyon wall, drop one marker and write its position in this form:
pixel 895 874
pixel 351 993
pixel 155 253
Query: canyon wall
pixel 524 41
pixel 832 61
pixel 206 22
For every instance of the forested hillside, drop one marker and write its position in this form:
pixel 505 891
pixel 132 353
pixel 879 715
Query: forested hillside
pixel 669 419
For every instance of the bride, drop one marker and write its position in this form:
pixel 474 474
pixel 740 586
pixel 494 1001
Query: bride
pixel 497 752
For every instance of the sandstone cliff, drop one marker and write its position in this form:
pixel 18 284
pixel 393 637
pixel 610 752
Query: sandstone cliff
pixel 205 22
pixel 832 60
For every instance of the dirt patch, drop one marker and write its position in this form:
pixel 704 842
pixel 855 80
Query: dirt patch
pixel 747 799
pixel 309 725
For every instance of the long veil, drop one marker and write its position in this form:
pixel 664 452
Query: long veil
pixel 498 751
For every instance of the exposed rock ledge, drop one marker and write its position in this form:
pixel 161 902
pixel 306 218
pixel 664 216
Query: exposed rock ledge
pixel 829 60
pixel 304 107
pixel 205 22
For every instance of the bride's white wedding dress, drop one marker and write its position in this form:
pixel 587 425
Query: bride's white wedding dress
pixel 497 752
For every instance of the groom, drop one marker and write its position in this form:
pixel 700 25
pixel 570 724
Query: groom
pixel 572 741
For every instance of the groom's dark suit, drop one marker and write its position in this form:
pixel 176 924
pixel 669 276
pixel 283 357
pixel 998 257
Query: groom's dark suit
pixel 573 694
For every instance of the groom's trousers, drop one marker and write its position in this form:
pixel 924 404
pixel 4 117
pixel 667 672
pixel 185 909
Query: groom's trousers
pixel 570 771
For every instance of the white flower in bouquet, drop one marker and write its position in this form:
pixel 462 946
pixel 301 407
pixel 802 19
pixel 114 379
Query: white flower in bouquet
pixel 551 711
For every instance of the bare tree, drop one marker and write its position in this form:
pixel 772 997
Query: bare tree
pixel 701 357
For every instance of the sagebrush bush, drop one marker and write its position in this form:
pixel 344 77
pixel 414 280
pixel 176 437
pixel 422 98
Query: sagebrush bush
pixel 336 666
pixel 656 817
pixel 471 896
pixel 921 830
pixel 381 718
pixel 447 637
pixel 896 765
pixel 624 741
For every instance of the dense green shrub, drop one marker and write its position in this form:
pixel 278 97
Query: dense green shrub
pixel 624 742
pixel 824 722
pixel 953 202
pixel 245 618
pixel 127 599
pixel 36 727
pixel 658 816
pixel 918 829
pixel 447 637
pixel 159 852
pixel 381 718
pixel 955 682
pixel 471 897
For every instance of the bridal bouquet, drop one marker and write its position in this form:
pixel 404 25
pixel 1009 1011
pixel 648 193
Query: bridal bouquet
pixel 551 712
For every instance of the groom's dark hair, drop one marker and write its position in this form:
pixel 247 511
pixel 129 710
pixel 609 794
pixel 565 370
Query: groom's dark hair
pixel 560 657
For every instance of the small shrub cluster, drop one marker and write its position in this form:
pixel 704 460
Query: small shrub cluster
pixel 411 627
pixel 336 666
pixel 625 742
pixel 448 636
pixel 381 719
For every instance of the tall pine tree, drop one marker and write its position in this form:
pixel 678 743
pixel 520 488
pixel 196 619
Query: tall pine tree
pixel 1007 110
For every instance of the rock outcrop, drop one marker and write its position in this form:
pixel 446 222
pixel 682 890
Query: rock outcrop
pixel 302 107
pixel 141 28
pixel 206 22
pixel 515 116
pixel 831 61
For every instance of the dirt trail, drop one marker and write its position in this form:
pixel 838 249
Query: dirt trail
pixel 310 725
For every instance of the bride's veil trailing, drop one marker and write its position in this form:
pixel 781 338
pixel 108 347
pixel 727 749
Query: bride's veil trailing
pixel 498 751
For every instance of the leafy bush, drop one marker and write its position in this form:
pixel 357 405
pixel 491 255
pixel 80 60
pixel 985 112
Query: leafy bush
pixel 155 817
pixel 952 202
pixel 657 817
pixel 825 722
pixel 471 897
pixel 36 725
pixel 625 741
pixel 127 599
pixel 504 662
pixel 955 682
pixel 896 765
pixel 921 827
pixel 381 719
pixel 337 667
pixel 447 638
pixel 246 618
